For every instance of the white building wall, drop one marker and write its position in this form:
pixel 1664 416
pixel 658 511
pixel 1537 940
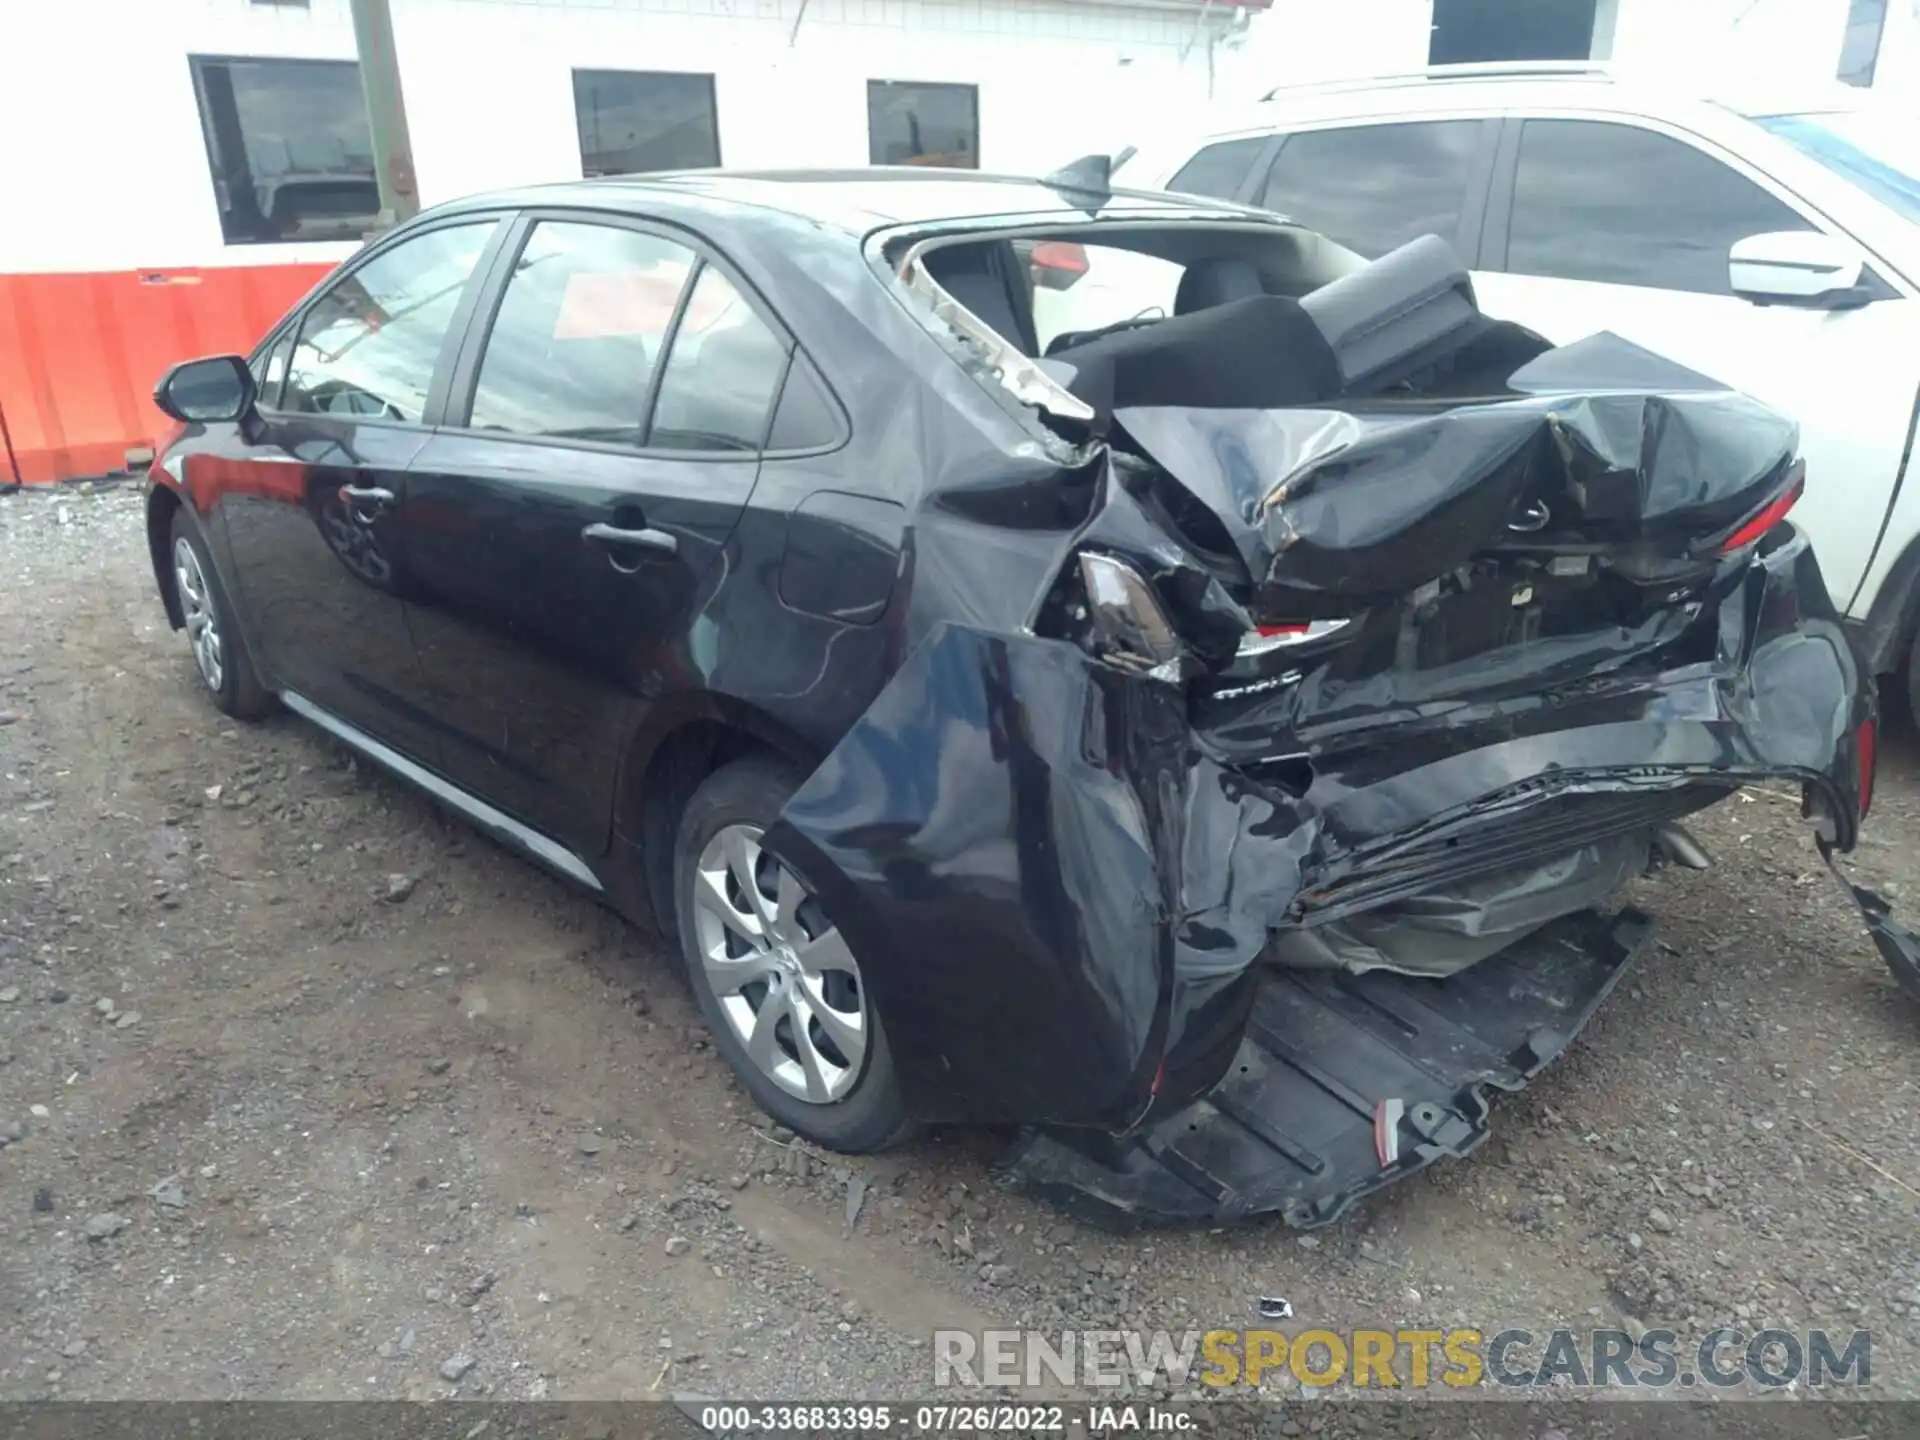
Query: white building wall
pixel 1789 41
pixel 1299 42
pixel 106 168
pixel 100 147
pixel 1054 79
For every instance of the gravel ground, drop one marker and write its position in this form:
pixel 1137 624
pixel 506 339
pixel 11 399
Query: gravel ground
pixel 310 1092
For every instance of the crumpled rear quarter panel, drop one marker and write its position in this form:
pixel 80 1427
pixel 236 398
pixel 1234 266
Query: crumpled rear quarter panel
pixel 1056 883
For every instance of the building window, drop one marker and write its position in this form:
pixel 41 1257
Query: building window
pixel 910 123
pixel 1475 31
pixel 289 147
pixel 634 121
pixel 1860 49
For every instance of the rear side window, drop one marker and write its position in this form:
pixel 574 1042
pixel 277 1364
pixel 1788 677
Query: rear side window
pixel 1375 187
pixel 368 346
pixel 725 365
pixel 1219 169
pixel 1626 206
pixel 579 331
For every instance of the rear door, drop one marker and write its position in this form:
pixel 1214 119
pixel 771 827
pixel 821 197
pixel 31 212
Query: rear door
pixel 568 523
pixel 1375 185
pixel 1610 224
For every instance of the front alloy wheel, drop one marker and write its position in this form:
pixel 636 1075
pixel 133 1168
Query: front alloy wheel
pixel 219 649
pixel 203 620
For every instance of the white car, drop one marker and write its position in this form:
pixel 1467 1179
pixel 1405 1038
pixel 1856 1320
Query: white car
pixel 1774 246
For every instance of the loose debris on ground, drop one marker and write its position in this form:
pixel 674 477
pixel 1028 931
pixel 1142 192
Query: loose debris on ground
pixel 308 1091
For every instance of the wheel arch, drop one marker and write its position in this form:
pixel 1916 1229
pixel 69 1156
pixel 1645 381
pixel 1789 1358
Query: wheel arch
pixel 162 505
pixel 1893 619
pixel 667 762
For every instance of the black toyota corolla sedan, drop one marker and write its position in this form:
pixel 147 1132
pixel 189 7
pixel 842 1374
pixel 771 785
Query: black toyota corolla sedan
pixel 1205 726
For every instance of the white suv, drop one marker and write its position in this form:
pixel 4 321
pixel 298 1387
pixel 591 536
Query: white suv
pixel 1774 247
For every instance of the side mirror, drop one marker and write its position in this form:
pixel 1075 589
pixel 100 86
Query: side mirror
pixel 206 391
pixel 1797 267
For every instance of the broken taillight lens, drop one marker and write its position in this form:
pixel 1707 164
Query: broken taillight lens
pixel 1125 613
pixel 1865 745
pixel 1057 264
pixel 1769 515
pixel 1263 638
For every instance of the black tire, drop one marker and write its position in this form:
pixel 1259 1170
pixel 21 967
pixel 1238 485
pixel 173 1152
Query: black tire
pixel 237 689
pixel 871 1113
pixel 1905 685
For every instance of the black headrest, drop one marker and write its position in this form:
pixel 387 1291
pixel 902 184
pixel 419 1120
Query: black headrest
pixel 1252 354
pixel 1207 283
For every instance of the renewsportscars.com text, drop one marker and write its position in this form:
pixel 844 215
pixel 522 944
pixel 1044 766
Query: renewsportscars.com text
pixel 1414 1359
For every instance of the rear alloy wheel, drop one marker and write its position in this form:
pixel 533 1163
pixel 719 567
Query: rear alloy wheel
pixel 785 980
pixel 219 649
pixel 777 981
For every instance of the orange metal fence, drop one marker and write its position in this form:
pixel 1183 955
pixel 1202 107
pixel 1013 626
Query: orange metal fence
pixel 79 355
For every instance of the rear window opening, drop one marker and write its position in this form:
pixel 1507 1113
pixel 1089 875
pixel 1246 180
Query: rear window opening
pixel 1080 322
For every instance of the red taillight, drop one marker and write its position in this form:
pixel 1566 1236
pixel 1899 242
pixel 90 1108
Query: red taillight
pixel 1273 637
pixel 1056 264
pixel 1768 516
pixel 1159 1079
pixel 1865 742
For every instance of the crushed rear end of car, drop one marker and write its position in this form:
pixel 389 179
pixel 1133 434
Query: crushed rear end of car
pixel 1388 645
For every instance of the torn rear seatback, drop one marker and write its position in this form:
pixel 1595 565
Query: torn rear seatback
pixel 1435 636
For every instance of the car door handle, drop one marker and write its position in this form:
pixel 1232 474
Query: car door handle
pixel 644 539
pixel 367 501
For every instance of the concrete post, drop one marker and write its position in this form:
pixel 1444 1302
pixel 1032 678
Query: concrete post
pixel 386 112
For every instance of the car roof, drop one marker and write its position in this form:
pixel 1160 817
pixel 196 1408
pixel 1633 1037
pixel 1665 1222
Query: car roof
pixel 854 200
pixel 1521 85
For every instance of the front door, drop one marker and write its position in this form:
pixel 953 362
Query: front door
pixel 310 500
pixel 1624 228
pixel 567 526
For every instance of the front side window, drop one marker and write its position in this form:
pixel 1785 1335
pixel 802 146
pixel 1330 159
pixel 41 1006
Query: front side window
pixel 1217 171
pixel 368 347
pixel 579 331
pixel 1626 206
pixel 1375 187
pixel 632 122
pixel 722 372
pixel 289 147
pixel 911 123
